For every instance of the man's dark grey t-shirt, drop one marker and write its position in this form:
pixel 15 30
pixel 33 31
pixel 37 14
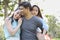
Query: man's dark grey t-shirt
pixel 28 28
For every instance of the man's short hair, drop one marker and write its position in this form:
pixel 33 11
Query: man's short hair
pixel 25 5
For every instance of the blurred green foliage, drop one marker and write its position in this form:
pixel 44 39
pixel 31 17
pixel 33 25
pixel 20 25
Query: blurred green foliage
pixel 2 37
pixel 54 27
pixel 1 15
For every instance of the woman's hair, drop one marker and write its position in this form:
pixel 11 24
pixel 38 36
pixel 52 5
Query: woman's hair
pixel 39 12
pixel 12 17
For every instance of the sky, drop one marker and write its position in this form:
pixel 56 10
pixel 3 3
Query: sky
pixel 50 7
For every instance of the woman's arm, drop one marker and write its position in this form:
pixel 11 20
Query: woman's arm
pixel 40 36
pixel 45 26
pixel 44 32
pixel 39 31
pixel 9 26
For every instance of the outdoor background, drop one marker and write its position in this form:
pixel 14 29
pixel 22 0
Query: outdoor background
pixel 50 10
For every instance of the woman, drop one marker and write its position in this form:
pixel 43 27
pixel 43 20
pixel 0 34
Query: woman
pixel 36 12
pixel 12 26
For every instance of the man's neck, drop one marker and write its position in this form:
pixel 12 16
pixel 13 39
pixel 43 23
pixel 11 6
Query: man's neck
pixel 29 16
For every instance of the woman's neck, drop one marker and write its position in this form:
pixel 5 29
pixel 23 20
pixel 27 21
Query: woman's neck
pixel 15 19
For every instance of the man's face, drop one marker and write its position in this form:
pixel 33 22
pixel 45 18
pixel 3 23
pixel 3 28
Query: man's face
pixel 23 10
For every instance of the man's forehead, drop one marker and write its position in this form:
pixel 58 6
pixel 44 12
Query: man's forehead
pixel 21 7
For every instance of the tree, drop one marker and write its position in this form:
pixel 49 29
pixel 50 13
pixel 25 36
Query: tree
pixel 7 5
pixel 52 24
pixel 5 2
pixel 29 0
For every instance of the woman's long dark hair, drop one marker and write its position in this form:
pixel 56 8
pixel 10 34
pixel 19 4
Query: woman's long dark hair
pixel 12 17
pixel 39 14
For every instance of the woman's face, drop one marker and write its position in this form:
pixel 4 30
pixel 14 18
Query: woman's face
pixel 16 15
pixel 35 11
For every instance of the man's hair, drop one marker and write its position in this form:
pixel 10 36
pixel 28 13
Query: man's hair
pixel 25 5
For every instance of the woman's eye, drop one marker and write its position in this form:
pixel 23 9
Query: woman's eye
pixel 17 13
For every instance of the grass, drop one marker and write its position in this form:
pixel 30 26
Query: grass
pixel 56 39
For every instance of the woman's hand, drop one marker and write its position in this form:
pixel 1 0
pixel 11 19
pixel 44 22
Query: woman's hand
pixel 9 26
pixel 20 21
pixel 8 21
pixel 40 36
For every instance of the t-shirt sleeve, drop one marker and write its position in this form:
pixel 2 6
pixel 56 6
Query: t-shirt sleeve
pixel 38 30
pixel 40 23
pixel 45 26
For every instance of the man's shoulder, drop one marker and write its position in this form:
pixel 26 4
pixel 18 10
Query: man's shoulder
pixel 37 18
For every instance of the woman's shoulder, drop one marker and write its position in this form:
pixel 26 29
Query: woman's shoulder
pixel 37 18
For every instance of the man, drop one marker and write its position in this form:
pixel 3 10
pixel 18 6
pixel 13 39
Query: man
pixel 30 22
